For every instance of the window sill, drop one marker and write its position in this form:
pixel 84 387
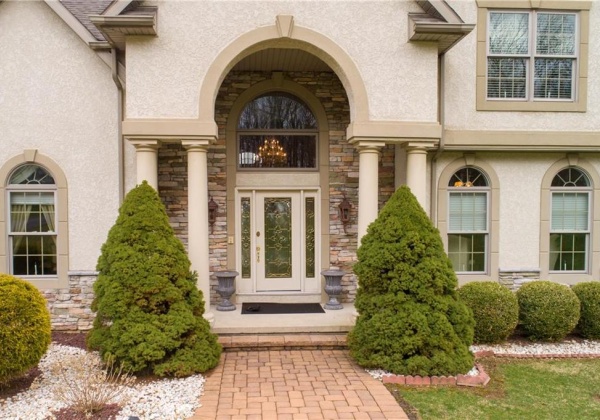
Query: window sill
pixel 528 106
pixel 570 278
pixel 464 277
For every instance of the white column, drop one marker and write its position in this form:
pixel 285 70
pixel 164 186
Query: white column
pixel 198 250
pixel 368 184
pixel 416 171
pixel 146 155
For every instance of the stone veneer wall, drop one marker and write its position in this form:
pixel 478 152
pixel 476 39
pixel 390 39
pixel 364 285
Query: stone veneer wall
pixel 515 278
pixel 70 308
pixel 343 174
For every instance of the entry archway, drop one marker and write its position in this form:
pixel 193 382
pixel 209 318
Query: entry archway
pixel 284 34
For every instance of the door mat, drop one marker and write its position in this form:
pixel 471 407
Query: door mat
pixel 281 308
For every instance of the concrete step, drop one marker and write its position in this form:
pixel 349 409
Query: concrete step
pixel 246 342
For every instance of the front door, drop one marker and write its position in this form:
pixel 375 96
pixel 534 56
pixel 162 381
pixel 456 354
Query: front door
pixel 278 239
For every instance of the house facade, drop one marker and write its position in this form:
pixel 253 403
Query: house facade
pixel 274 131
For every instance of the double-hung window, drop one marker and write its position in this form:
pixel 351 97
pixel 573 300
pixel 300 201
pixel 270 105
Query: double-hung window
pixel 532 55
pixel 570 221
pixel 32 222
pixel 468 221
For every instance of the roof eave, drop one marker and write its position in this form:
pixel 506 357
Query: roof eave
pixel 445 34
pixel 116 28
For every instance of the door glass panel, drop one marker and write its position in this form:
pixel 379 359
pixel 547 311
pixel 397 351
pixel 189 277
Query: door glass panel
pixel 310 237
pixel 278 237
pixel 246 239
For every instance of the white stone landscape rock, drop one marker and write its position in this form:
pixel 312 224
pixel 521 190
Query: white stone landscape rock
pixel 165 399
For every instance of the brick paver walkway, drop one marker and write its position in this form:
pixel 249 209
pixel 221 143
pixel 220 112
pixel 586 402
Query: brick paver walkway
pixel 293 384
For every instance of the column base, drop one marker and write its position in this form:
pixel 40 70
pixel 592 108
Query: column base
pixel 210 317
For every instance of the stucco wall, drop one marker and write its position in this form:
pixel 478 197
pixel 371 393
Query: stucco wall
pixel 461 113
pixel 165 73
pixel 520 177
pixel 57 96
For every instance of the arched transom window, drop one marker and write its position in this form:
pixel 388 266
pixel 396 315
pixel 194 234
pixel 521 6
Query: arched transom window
pixel 468 220
pixel 32 222
pixel 277 130
pixel 570 221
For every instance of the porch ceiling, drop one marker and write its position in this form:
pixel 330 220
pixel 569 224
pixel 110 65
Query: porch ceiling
pixel 282 59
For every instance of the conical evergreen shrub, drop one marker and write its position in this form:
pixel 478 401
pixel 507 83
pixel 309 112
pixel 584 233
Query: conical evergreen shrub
pixel 410 321
pixel 148 308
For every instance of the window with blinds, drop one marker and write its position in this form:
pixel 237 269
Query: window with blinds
pixel 570 221
pixel 532 55
pixel 468 220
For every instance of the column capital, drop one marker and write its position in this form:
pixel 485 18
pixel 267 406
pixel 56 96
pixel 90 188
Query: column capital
pixel 198 144
pixel 419 146
pixel 368 145
pixel 145 144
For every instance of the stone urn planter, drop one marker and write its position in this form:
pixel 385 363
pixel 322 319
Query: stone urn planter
pixel 333 288
pixel 225 289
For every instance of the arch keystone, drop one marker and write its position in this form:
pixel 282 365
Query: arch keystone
pixel 285 25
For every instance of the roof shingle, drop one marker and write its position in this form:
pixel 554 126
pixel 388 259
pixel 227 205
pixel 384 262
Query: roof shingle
pixel 81 9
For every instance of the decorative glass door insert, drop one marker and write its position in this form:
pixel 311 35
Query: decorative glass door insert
pixel 278 239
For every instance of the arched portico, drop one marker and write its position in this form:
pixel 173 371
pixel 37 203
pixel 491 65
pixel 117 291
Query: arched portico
pixel 362 138
pixel 284 34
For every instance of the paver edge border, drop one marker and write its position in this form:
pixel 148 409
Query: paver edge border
pixel 482 378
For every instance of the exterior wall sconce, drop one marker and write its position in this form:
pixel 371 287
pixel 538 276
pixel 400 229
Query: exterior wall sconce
pixel 212 213
pixel 345 207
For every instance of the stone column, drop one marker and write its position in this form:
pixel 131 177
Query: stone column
pixel 416 171
pixel 146 155
pixel 198 231
pixel 368 184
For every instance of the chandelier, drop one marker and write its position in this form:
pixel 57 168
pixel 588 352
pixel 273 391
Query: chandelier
pixel 271 153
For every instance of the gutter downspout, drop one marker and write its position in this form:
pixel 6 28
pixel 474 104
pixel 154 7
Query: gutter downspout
pixel 440 149
pixel 120 143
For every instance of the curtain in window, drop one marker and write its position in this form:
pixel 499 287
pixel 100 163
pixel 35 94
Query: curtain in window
pixel 19 217
pixel 23 173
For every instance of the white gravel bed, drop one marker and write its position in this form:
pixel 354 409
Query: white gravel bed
pixel 567 347
pixel 168 399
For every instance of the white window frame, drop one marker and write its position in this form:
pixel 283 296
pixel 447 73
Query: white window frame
pixel 486 232
pixel 13 188
pixel 532 55
pixel 588 232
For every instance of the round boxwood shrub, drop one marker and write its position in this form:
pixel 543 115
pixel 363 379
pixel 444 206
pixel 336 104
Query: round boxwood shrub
pixel 547 311
pixel 149 310
pixel 410 320
pixel 495 309
pixel 589 297
pixel 24 327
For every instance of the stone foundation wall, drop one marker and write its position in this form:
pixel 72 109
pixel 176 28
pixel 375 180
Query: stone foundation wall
pixel 70 308
pixel 343 173
pixel 515 278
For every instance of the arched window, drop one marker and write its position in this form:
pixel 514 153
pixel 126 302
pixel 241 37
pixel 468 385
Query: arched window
pixel 570 221
pixel 468 220
pixel 277 130
pixel 32 226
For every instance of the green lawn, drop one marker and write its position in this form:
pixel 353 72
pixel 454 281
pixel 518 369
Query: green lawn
pixel 519 389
